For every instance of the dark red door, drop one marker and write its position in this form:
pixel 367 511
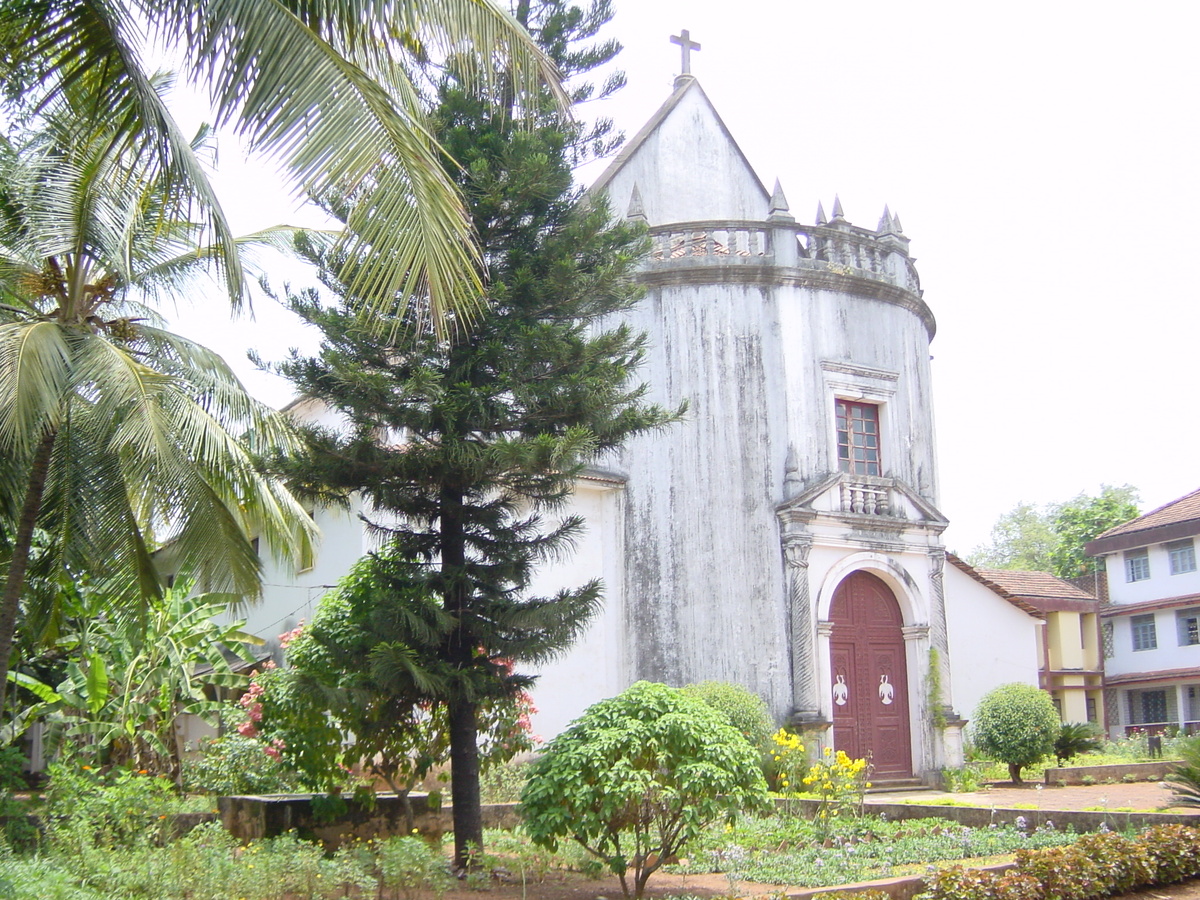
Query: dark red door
pixel 870 680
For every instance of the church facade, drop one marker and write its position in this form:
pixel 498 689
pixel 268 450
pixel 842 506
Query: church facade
pixel 786 535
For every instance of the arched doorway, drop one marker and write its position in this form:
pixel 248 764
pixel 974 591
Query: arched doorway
pixel 870 676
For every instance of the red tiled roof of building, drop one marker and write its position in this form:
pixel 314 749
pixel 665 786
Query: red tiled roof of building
pixel 1019 602
pixel 1179 518
pixel 1185 509
pixel 1046 591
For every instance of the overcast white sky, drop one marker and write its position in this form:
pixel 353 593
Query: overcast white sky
pixel 1043 160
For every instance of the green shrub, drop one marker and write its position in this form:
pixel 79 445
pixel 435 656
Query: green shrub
pixel 742 708
pixel 503 782
pixel 236 764
pixel 1185 779
pixel 1016 724
pixel 1075 738
pixel 86 808
pixel 637 776
pixel 408 865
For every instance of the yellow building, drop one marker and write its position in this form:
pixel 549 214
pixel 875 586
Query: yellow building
pixel 1071 664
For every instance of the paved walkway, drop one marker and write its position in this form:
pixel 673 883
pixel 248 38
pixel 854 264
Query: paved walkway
pixel 1142 796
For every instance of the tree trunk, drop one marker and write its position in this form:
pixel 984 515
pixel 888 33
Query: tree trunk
pixel 22 544
pixel 460 650
pixel 464 783
pixel 1014 772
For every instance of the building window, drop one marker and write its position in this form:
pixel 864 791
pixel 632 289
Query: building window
pixel 1147 707
pixel 1144 636
pixel 1106 637
pixel 1188 621
pixel 858 438
pixel 1091 709
pixel 1137 565
pixel 1182 555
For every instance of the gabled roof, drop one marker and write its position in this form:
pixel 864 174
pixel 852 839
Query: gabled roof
pixel 685 86
pixel 1171 521
pixel 1022 603
pixel 1041 589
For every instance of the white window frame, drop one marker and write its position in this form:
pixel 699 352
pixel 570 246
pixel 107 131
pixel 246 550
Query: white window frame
pixel 1182 556
pixel 1144 632
pixel 1137 565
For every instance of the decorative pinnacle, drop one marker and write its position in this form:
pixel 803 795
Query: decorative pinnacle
pixel 686 46
pixel 821 219
pixel 897 228
pixel 779 205
pixel 791 472
pixel 885 222
pixel 837 209
pixel 636 213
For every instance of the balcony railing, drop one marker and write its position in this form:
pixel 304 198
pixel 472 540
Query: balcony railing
pixel 867 495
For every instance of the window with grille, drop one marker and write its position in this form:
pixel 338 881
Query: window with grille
pixel 858 438
pixel 1182 555
pixel 1106 637
pixel 1149 707
pixel 1091 709
pixel 1137 565
pixel 1144 636
pixel 1188 622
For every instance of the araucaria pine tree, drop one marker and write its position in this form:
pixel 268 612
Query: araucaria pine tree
pixel 473 443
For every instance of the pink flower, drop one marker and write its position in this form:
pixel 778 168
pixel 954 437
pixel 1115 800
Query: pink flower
pixel 247 729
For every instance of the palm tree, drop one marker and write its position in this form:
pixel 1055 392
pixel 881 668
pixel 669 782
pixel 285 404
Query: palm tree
pixel 320 85
pixel 115 433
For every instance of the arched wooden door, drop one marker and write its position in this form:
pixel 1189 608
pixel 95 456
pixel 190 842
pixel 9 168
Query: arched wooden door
pixel 870 676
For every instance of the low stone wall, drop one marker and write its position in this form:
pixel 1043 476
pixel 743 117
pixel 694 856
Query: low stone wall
pixel 1079 820
pixel 1144 771
pixel 252 817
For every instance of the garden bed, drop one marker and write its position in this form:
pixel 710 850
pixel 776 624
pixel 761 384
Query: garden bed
pixel 1110 774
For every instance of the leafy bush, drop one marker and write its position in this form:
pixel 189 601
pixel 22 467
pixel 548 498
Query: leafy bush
pixel 637 776
pixel 237 764
pixel 1097 865
pixel 1185 779
pixel 503 782
pixel 408 865
pixel 742 708
pixel 1016 724
pixel 88 809
pixel 1075 738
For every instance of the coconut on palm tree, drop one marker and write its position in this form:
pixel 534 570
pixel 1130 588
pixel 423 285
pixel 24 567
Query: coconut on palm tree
pixel 115 433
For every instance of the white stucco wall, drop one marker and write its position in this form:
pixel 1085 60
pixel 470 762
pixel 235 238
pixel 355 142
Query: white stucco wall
pixel 594 667
pixel 1169 654
pixel 992 642
pixel 1160 585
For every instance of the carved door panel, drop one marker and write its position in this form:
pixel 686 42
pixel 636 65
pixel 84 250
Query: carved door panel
pixel 867 652
pixel 846 693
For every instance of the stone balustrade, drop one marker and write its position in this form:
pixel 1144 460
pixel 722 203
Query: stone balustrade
pixel 867 495
pixel 846 250
pixel 709 239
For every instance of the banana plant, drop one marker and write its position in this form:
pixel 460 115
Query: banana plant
pixel 132 674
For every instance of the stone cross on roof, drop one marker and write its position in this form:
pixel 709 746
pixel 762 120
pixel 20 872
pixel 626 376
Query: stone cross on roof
pixel 686 46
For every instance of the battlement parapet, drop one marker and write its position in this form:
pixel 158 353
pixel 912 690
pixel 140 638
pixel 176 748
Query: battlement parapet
pixel 837 249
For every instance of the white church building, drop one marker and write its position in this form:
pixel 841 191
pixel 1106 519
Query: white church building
pixel 786 535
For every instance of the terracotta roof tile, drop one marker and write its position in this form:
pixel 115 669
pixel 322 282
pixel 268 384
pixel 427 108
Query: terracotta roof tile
pixel 1035 586
pixel 1185 509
